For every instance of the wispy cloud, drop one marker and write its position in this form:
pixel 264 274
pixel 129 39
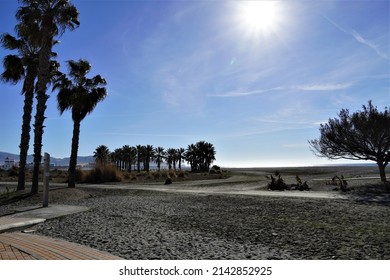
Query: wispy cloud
pixel 368 43
pixel 246 93
pixel 324 87
pixel 304 87
pixel 359 38
pixel 145 134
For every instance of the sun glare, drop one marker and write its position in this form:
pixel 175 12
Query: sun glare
pixel 259 16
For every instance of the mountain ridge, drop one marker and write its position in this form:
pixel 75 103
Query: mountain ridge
pixel 53 160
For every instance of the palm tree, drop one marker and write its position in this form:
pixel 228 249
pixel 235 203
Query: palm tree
pixel 17 67
pixel 140 152
pixel 129 155
pixel 160 155
pixel 80 95
pixel 117 158
pixel 149 155
pixel 101 155
pixel 209 154
pixel 180 156
pixel 200 156
pixel 53 18
pixel 206 155
pixel 191 157
pixel 171 158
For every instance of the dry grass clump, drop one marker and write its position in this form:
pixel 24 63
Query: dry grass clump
pixel 172 174
pixel 157 175
pixel 101 174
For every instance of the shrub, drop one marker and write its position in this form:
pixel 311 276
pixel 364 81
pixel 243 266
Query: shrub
pixel 103 174
pixel 216 167
pixel 276 183
pixel 149 176
pixel 172 174
pixel 215 170
pixel 13 172
pixel 80 175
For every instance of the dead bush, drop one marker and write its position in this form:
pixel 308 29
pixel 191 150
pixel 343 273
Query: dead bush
pixel 103 174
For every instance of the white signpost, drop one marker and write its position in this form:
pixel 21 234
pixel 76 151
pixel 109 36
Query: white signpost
pixel 46 176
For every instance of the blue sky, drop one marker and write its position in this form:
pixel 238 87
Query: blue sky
pixel 183 71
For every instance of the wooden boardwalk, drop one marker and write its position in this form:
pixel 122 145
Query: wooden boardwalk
pixel 22 246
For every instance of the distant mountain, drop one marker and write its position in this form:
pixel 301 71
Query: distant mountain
pixel 54 161
pixel 82 160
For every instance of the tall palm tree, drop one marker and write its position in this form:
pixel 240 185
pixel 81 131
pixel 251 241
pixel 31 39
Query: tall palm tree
pixel 171 158
pixel 200 156
pixel 117 158
pixel 191 157
pixel 129 155
pixel 17 67
pixel 140 154
pixel 209 154
pixel 206 155
pixel 160 155
pixel 101 155
pixel 53 18
pixel 180 156
pixel 80 95
pixel 149 155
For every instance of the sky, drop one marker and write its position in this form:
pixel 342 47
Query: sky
pixel 254 78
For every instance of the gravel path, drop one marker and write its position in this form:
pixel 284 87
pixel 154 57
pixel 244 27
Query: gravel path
pixel 136 224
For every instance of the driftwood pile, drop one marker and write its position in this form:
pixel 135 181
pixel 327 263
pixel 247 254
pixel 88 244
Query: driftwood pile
pixel 340 183
pixel 278 184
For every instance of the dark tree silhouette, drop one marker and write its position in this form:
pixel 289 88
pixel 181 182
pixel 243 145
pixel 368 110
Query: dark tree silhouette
pixel 22 65
pixel 363 135
pixel 80 95
pixel 53 18
pixel 102 156
pixel 200 156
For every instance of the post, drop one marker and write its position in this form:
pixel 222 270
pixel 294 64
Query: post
pixel 46 175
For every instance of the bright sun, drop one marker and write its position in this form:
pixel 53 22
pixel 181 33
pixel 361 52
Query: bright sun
pixel 259 16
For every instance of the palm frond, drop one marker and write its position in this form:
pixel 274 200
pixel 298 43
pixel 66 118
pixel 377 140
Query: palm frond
pixel 14 69
pixel 10 42
pixel 65 100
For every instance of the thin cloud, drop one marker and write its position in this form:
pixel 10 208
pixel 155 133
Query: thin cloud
pixel 369 44
pixel 146 134
pixel 246 93
pixel 323 87
pixel 312 87
pixel 359 38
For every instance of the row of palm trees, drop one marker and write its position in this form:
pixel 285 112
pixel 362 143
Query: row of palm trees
pixel 199 156
pixel 40 24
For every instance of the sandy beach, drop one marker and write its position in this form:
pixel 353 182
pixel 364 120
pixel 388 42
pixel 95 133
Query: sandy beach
pixel 221 219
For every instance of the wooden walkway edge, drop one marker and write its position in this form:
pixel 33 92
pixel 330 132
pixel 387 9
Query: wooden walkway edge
pixel 21 246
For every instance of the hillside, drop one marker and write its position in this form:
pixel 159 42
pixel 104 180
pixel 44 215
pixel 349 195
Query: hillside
pixel 55 161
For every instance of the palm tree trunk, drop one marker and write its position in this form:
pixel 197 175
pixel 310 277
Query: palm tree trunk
pixel 73 155
pixel 43 80
pixel 38 135
pixel 25 136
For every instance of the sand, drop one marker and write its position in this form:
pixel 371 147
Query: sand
pixel 210 220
